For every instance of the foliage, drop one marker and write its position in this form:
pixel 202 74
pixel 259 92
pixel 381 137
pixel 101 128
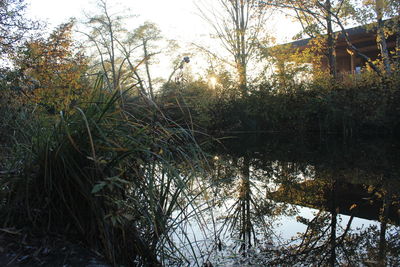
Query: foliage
pixel 318 19
pixel 187 103
pixel 357 105
pixel 14 26
pixel 52 70
pixel 292 66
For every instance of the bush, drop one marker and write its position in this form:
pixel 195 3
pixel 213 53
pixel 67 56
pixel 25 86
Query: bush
pixel 362 106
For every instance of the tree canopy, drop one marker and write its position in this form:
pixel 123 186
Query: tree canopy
pixel 14 26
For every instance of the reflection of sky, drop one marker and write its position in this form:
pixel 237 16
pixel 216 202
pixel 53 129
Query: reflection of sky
pixel 202 236
pixel 287 226
pixel 271 231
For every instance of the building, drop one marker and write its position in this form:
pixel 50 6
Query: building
pixel 346 60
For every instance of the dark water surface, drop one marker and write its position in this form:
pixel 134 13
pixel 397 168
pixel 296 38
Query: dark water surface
pixel 279 201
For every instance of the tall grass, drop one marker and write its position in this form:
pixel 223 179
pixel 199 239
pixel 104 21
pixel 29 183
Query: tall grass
pixel 97 173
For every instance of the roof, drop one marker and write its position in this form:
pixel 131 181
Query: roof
pixel 354 33
pixel 359 30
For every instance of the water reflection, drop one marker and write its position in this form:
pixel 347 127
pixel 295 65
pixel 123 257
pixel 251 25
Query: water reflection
pixel 258 191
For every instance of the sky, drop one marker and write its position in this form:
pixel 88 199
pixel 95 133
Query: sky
pixel 177 19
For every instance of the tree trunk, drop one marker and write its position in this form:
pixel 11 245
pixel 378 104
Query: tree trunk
pixel 398 45
pixel 146 64
pixel 397 28
pixel 331 41
pixel 115 81
pixel 382 234
pixel 240 44
pixel 243 58
pixel 332 260
pixel 380 37
pixel 245 206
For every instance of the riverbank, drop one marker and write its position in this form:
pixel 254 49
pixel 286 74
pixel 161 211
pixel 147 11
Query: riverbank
pixel 20 248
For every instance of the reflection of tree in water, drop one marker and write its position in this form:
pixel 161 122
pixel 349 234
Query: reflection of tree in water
pixel 244 207
pixel 382 243
pixel 239 215
pixel 319 244
pixel 248 217
pixel 265 185
pixel 326 242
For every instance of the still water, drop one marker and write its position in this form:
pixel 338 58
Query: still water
pixel 279 201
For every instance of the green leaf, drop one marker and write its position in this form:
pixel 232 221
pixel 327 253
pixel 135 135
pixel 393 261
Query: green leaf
pixel 98 187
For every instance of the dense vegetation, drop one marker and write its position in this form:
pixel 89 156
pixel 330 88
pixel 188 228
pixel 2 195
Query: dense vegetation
pixel 358 106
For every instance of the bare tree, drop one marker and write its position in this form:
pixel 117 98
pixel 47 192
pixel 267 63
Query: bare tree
pixel 103 35
pixel 238 25
pixel 147 35
pixel 113 49
pixel 122 56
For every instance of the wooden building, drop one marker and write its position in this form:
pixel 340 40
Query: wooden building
pixel 346 60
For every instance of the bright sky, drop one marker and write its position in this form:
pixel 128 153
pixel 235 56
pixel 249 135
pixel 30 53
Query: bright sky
pixel 177 19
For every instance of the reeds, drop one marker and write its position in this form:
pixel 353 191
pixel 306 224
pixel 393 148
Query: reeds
pixel 99 175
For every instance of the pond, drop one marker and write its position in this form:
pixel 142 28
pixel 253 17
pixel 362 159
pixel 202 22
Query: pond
pixel 279 201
